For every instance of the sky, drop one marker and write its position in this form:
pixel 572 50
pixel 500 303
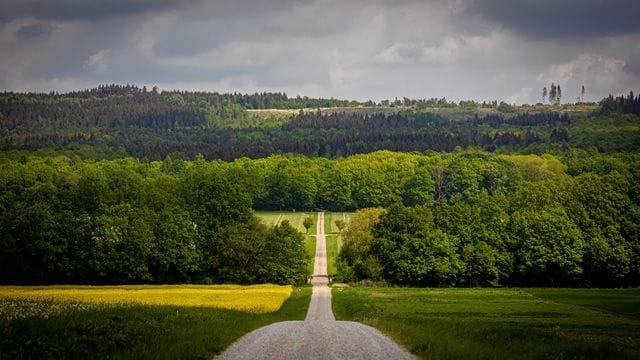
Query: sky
pixel 371 49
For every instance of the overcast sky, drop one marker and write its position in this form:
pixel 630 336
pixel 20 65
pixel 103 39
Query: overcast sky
pixel 370 49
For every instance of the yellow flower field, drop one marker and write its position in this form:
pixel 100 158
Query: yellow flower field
pixel 254 298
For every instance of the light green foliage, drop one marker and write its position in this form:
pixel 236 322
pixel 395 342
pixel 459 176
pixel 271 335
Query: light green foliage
pixel 308 222
pixel 536 167
pixel 355 260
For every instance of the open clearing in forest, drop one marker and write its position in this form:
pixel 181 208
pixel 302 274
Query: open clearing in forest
pixel 296 219
pixel 500 323
pixel 334 239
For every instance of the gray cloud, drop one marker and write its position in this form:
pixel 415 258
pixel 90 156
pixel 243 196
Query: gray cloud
pixel 359 49
pixel 83 9
pixel 553 19
pixel 31 31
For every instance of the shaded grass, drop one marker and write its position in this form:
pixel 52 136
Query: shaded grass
pixel 132 331
pixel 501 323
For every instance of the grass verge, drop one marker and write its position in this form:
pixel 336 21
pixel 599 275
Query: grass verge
pixel 54 330
pixel 332 253
pixel 310 246
pixel 501 323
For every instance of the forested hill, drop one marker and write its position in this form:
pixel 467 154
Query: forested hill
pixel 113 121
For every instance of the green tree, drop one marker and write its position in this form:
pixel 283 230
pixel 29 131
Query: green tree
pixel 412 252
pixel 286 259
pixel 355 260
pixel 308 222
pixel 123 244
pixel 548 248
pixel 237 252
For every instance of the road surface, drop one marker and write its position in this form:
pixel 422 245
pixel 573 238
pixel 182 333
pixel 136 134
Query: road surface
pixel 319 336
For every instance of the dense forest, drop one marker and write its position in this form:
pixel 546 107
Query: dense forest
pixel 111 185
pixel 115 121
pixel 460 218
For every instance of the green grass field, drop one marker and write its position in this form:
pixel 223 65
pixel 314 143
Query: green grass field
pixel 54 330
pixel 501 323
pixel 334 239
pixel 296 219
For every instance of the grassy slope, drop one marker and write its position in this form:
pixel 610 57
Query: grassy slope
pixel 134 332
pixel 501 323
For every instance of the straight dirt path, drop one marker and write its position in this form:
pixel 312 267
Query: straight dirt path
pixel 319 336
pixel 320 305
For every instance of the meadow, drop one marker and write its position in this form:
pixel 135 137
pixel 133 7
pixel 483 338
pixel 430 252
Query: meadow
pixel 504 323
pixel 334 238
pixel 62 323
pixel 296 219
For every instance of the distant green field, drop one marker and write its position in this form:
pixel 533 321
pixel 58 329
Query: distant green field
pixel 501 323
pixel 334 239
pixel 296 219
pixel 330 220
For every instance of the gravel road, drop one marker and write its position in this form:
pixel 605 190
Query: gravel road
pixel 319 336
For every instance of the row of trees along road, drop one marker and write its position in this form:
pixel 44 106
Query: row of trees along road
pixel 467 218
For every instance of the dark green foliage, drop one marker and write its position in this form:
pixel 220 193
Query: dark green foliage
pixel 285 256
pixel 68 221
pixel 113 121
pixel 474 218
pixel 411 251
pixel 251 253
pixel 622 104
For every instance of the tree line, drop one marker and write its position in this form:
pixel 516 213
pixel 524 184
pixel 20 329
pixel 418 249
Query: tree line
pixel 150 125
pixel 561 230
pixel 460 218
pixel 63 220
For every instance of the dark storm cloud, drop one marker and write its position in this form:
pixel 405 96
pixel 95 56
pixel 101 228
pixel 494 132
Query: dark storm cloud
pixel 83 9
pixel 360 49
pixel 552 19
